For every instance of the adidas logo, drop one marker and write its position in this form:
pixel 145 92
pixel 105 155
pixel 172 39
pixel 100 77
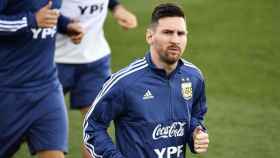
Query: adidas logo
pixel 148 95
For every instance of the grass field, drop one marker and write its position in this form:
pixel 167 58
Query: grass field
pixel 236 45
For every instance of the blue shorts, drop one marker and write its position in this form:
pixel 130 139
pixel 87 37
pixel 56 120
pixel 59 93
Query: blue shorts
pixel 37 117
pixel 83 81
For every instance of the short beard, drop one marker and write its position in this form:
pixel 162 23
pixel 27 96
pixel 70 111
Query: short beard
pixel 168 60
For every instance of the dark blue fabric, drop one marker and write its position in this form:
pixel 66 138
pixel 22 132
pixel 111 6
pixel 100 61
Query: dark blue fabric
pixel 113 4
pixel 37 117
pixel 84 81
pixel 32 106
pixel 26 53
pixel 154 114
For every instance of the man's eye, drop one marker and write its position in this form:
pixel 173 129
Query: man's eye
pixel 181 33
pixel 168 32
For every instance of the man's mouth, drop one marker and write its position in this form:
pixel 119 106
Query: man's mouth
pixel 174 48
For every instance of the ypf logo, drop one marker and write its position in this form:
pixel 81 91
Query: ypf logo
pixel 91 9
pixel 43 32
pixel 169 152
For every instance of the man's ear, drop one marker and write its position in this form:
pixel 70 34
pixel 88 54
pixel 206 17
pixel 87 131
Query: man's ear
pixel 149 35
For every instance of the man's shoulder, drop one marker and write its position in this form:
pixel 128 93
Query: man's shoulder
pixel 191 68
pixel 119 81
pixel 130 72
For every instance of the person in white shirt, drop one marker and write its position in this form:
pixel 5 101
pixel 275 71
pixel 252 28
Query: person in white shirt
pixel 84 67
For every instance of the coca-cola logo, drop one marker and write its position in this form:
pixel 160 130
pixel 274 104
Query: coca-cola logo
pixel 176 129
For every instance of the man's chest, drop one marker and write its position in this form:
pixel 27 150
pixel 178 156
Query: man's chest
pixel 160 100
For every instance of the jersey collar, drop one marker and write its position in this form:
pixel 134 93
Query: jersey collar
pixel 161 72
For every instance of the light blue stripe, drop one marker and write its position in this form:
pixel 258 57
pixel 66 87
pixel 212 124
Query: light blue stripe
pixel 116 75
pixel 186 63
pixel 23 20
pixel 12 29
pixel 112 81
pixel 13 26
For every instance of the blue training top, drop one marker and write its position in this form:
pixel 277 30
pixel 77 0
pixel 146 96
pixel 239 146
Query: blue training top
pixel 26 51
pixel 154 114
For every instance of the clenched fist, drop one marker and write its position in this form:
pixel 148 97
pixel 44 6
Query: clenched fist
pixel 75 31
pixel 201 140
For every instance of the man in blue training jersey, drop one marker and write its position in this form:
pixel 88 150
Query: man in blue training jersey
pixel 84 67
pixel 32 105
pixel 157 103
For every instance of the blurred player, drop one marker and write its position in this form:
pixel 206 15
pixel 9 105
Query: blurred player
pixel 83 68
pixel 32 108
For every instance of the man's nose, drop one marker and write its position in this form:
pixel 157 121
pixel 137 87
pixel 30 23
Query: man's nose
pixel 175 39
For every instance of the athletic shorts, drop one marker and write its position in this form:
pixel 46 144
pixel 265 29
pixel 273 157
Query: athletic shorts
pixel 38 117
pixel 83 81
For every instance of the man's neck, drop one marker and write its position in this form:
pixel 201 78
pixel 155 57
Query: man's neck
pixel 168 68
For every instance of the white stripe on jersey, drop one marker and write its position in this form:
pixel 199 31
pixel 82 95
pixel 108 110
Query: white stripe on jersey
pixel 90 147
pixel 114 78
pixel 186 63
pixel 12 26
pixel 135 66
pixel 124 70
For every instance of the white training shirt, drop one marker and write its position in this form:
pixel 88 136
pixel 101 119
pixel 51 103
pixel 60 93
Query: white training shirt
pixel 92 15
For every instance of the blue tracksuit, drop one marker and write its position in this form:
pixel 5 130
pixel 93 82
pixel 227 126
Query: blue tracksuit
pixel 26 51
pixel 32 105
pixel 154 114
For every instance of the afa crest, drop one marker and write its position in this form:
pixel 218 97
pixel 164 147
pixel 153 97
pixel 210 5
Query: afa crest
pixel 186 89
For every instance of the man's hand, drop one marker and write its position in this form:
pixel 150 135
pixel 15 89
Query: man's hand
pixel 125 18
pixel 201 140
pixel 47 17
pixel 75 31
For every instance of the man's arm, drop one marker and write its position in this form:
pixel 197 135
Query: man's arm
pixel 107 106
pixel 124 17
pixel 113 4
pixel 63 22
pixel 14 24
pixel 197 136
pixel 71 28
